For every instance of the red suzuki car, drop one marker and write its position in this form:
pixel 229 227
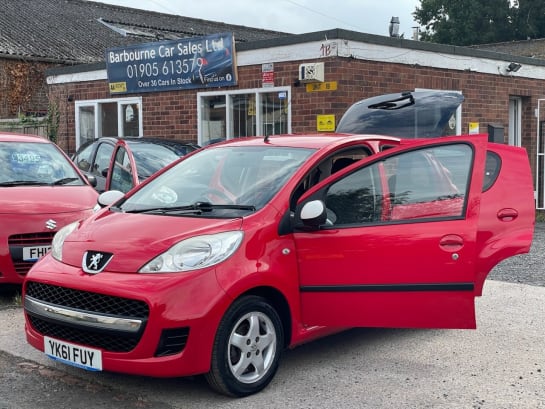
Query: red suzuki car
pixel 223 259
pixel 40 192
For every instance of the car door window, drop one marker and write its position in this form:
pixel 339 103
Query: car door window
pixel 356 198
pixel 122 172
pixel 83 158
pixel 102 159
pixel 429 183
pixel 421 184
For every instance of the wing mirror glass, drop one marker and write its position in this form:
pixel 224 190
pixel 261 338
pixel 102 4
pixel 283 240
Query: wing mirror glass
pixel 313 214
pixel 109 197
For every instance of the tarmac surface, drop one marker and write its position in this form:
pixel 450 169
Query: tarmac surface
pixel 500 365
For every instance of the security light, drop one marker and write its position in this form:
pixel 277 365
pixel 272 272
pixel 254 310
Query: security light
pixel 513 67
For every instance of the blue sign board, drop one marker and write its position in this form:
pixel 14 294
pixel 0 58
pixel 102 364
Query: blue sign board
pixel 196 62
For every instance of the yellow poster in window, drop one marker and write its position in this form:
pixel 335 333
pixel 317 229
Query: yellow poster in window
pixel 251 106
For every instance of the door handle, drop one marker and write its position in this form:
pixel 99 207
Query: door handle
pixel 507 215
pixel 451 242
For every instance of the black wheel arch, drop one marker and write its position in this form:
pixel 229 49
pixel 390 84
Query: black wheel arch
pixel 279 302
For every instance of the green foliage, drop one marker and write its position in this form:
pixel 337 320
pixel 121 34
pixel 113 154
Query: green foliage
pixel 53 119
pixel 471 22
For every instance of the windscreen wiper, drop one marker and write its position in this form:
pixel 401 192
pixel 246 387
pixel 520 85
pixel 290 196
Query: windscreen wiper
pixel 406 99
pixel 63 181
pixel 23 183
pixel 196 208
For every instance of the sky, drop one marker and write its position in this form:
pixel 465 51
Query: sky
pixel 292 16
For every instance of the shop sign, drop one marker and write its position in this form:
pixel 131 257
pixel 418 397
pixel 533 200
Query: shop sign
pixel 196 62
pixel 321 86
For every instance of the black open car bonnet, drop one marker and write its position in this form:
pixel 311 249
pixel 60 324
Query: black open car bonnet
pixel 418 114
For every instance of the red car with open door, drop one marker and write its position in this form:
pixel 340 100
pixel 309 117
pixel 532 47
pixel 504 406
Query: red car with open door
pixel 122 163
pixel 218 262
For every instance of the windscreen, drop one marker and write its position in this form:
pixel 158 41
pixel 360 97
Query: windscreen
pixel 27 163
pixel 248 177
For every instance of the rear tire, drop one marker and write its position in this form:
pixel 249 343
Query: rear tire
pixel 247 348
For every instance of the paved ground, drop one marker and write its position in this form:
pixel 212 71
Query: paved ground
pixel 501 365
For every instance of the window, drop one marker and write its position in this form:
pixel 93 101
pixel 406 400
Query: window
pixel 256 112
pixel 422 184
pixel 122 172
pixel 491 170
pixel 108 117
pixel 102 159
pixel 454 125
pixel 515 113
pixel 356 198
pixel 429 183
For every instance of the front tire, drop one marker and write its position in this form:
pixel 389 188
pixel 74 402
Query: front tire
pixel 247 348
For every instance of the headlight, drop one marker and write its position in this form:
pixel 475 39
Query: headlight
pixel 196 252
pixel 58 239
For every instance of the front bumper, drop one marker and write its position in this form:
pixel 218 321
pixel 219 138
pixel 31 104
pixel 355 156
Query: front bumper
pixel 160 325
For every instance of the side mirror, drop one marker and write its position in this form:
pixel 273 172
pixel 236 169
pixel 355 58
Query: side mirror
pixel 313 214
pixel 109 197
pixel 92 180
pixel 105 172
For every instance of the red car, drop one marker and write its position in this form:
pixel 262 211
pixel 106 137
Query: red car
pixel 217 263
pixel 41 191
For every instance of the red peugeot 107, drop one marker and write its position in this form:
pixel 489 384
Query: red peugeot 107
pixel 40 191
pixel 231 254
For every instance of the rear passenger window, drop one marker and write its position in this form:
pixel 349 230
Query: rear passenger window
pixel 491 170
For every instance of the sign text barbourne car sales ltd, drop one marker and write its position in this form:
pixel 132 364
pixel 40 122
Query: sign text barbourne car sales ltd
pixel 195 62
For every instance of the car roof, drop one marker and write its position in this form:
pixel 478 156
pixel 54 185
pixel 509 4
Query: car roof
pixel 160 141
pixel 135 139
pixel 312 141
pixel 17 137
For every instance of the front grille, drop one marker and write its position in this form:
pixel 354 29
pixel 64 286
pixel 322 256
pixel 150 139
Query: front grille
pixel 92 303
pixel 31 239
pixel 27 240
pixel 22 267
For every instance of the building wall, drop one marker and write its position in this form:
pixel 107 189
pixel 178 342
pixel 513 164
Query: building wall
pixel 23 90
pixel 174 114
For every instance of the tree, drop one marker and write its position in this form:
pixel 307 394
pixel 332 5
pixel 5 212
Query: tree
pixel 528 17
pixel 466 22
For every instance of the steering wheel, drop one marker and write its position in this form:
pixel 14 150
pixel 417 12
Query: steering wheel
pixel 212 195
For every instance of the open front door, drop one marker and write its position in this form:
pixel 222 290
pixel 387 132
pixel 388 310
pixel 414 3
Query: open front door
pixel 399 246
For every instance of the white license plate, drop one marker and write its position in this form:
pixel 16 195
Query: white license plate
pixel 35 252
pixel 72 354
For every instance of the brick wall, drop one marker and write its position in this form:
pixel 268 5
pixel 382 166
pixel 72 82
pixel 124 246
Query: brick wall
pixel 23 89
pixel 173 114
